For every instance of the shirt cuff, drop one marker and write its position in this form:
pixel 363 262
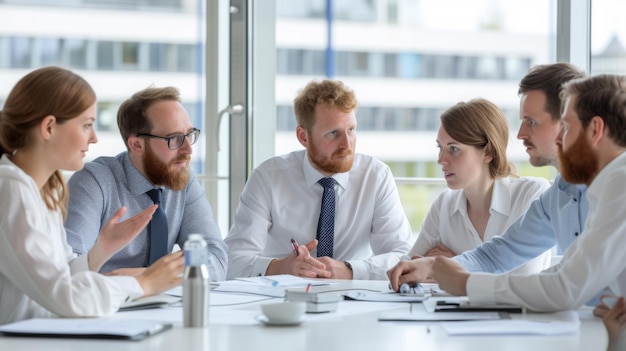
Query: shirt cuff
pixel 79 264
pixel 260 266
pixel 481 288
pixel 131 288
pixel 359 270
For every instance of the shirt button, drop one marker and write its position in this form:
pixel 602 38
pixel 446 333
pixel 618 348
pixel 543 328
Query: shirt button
pixel 575 200
pixel 576 234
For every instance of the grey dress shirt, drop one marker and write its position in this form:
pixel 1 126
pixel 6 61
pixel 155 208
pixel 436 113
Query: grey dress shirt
pixel 103 186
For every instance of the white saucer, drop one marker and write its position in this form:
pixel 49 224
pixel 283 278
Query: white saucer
pixel 263 319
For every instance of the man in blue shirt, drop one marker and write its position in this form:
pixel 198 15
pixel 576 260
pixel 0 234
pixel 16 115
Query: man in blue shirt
pixel 158 136
pixel 556 218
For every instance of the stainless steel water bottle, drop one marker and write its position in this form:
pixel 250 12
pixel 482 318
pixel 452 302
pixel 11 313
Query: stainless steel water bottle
pixel 196 285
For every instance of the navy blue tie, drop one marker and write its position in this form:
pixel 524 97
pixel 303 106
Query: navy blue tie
pixel 158 229
pixel 326 223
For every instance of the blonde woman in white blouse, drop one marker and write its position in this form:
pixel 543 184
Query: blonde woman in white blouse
pixel 46 125
pixel 484 196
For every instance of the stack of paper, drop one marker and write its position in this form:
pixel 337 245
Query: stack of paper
pixel 272 286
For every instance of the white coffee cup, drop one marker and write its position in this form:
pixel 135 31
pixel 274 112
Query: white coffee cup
pixel 284 312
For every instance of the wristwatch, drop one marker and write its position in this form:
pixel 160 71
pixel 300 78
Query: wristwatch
pixel 348 265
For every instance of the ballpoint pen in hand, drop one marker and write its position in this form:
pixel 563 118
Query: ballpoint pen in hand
pixel 294 244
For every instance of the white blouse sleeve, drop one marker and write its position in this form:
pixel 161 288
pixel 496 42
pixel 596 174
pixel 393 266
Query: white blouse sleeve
pixel 34 257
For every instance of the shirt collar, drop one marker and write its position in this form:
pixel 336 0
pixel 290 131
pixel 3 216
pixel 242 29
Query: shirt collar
pixel 137 183
pixel 500 198
pixel 568 188
pixel 312 175
pixel 596 186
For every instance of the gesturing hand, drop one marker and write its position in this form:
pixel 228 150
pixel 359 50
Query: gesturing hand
pixel 115 235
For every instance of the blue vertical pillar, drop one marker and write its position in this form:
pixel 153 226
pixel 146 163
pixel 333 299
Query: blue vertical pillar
pixel 198 118
pixel 330 54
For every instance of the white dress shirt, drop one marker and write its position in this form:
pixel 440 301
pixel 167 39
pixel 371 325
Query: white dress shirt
pixel 448 222
pixel 595 260
pixel 39 276
pixel 282 200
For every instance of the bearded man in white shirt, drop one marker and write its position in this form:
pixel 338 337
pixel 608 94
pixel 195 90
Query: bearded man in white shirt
pixel 282 205
pixel 591 149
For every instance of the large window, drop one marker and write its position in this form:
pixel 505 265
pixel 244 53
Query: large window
pixel 125 48
pixel 21 49
pixel 608 37
pixel 407 62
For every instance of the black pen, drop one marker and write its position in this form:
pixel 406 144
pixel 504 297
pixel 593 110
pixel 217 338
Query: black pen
pixel 294 244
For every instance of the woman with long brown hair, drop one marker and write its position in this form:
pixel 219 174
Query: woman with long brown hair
pixel 46 125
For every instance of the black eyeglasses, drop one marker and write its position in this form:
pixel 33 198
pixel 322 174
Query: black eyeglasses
pixel 175 142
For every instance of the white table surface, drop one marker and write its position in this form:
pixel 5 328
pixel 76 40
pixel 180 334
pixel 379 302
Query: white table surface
pixel 353 327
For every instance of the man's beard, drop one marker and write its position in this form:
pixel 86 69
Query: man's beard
pixel 331 166
pixel 579 165
pixel 161 173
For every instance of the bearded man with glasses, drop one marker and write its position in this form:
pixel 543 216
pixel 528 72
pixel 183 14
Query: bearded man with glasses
pixel 158 135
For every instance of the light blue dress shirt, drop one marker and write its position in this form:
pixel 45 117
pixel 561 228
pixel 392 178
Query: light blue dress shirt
pixel 557 217
pixel 108 183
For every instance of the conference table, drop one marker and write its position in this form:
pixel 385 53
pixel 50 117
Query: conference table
pixel 234 325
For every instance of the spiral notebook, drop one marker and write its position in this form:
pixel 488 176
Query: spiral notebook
pixel 128 329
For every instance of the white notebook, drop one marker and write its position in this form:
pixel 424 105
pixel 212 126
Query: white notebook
pixel 155 301
pixel 129 329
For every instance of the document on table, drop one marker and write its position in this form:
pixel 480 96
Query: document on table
pixel 284 280
pixel 244 287
pixel 462 304
pixel 85 328
pixel 433 289
pixel 385 296
pixel 448 316
pixel 272 286
pixel 219 299
pixel 561 323
pixel 510 327
pixel 177 291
